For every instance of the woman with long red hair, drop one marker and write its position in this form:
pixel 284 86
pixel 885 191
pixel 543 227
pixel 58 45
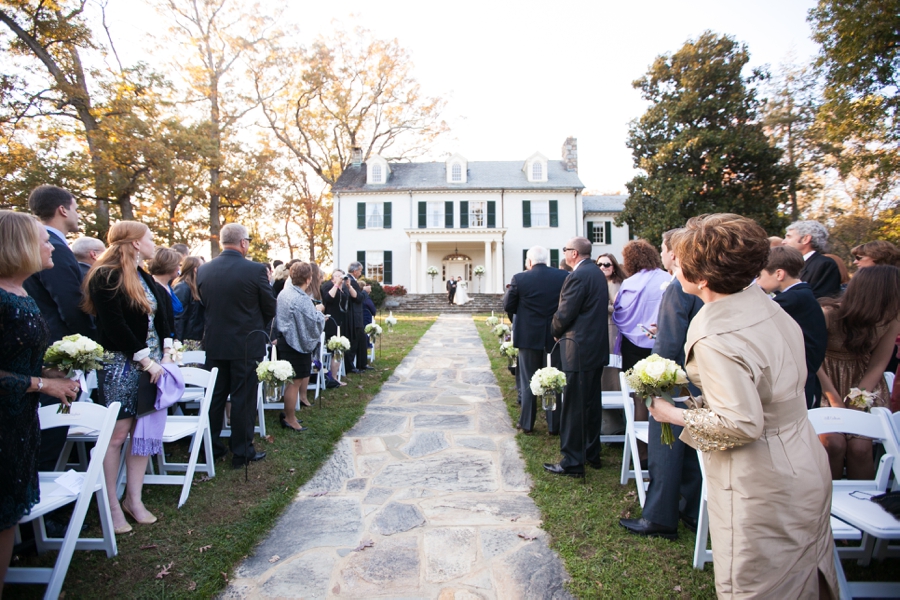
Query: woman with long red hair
pixel 134 315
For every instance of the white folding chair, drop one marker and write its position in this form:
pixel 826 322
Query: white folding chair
pixel 702 554
pixel 850 498
pixel 195 427
pixel 79 436
pixel 193 357
pixel 317 379
pixel 612 401
pixel 634 431
pixel 53 495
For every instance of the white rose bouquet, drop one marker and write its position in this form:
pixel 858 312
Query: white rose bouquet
pixel 391 320
pixel 274 372
pixel 337 345
pixel 478 271
pixel 433 271
pixel 492 321
pixel 508 350
pixel 546 383
pixel 861 399
pixel 74 353
pixel 656 376
pixel 373 330
pixel 501 330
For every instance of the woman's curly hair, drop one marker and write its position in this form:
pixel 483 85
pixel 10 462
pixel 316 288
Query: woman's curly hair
pixel 640 255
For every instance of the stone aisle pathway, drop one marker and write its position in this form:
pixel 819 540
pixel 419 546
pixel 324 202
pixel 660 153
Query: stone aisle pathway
pixel 426 497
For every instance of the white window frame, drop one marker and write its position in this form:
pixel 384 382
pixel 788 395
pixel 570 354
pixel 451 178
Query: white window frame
pixel 456 173
pixel 374 215
pixel 375 265
pixel 434 214
pixel 477 219
pixel 540 218
pixel 537 171
pixel 377 174
pixel 598 235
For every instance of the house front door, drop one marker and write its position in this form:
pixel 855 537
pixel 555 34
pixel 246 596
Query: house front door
pixel 456 269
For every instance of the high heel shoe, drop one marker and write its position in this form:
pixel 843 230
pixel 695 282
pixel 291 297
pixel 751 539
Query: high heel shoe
pixel 286 425
pixel 128 512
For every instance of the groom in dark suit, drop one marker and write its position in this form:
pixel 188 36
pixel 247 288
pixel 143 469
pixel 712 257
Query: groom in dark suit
pixel 239 305
pixel 57 292
pixel 451 290
pixel 533 297
pixel 580 323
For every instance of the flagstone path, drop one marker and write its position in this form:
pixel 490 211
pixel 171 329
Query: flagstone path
pixel 426 497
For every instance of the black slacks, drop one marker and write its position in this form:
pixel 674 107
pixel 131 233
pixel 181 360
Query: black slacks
pixel 237 378
pixel 530 361
pixel 674 475
pixel 582 415
pixel 359 348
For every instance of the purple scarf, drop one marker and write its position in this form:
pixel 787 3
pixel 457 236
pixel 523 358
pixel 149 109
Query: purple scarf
pixel 638 304
pixel 148 432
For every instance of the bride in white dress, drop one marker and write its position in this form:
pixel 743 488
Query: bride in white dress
pixel 461 296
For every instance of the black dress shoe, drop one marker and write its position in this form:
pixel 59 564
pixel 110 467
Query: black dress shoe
pixel 355 371
pixel 690 523
pixel 370 368
pixel 595 464
pixel 648 528
pixel 553 433
pixel 557 469
pixel 239 461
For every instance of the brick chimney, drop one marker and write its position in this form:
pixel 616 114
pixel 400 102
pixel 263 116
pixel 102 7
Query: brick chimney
pixel 357 156
pixel 570 154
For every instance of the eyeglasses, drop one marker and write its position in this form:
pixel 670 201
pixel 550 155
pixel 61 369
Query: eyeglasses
pixel 605 265
pixel 567 249
pixel 248 238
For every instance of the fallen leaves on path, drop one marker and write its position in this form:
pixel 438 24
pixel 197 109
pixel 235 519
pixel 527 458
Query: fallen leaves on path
pixel 274 559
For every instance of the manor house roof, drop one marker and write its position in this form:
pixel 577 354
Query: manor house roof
pixel 603 204
pixel 481 175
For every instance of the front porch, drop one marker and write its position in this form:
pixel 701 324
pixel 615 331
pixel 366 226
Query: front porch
pixel 456 253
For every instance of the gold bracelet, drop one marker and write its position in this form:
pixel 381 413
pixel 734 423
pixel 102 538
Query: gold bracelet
pixel 152 362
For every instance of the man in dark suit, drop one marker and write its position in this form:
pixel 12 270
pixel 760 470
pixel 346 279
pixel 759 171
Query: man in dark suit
pixel 819 271
pixel 86 251
pixel 674 470
pixel 359 341
pixel 57 292
pixel 451 290
pixel 580 323
pixel 533 298
pixel 781 276
pixel 239 305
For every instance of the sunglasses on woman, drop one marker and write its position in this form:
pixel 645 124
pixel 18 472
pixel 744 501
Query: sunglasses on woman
pixel 605 265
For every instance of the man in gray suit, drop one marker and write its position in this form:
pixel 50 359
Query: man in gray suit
pixel 533 298
pixel 580 323
pixel 674 471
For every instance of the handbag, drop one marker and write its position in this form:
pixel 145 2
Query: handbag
pixel 146 396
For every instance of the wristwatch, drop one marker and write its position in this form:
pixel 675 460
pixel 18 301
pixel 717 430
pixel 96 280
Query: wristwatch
pixel 40 383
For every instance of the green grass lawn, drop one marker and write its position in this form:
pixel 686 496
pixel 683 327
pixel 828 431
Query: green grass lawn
pixel 224 517
pixel 583 520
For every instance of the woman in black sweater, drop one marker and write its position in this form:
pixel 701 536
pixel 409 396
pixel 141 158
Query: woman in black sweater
pixel 133 315
pixel 189 324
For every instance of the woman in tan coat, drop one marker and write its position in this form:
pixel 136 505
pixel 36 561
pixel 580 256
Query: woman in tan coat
pixel 767 474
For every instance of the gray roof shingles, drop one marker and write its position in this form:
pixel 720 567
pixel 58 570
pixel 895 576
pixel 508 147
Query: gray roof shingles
pixel 603 204
pixel 482 175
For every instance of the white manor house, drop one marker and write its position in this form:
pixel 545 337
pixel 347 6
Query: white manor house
pixel 399 219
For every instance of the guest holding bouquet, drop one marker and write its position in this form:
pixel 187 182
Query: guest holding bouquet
pixel 767 479
pixel 300 324
pixel 134 315
pixel 189 324
pixel 862 327
pixel 24 336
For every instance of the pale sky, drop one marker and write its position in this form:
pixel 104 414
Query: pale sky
pixel 522 76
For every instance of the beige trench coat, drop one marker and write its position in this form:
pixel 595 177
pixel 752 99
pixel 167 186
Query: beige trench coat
pixel 768 481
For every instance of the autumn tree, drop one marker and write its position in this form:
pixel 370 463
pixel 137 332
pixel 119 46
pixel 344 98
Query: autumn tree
pixel 216 36
pixel 700 146
pixel 347 90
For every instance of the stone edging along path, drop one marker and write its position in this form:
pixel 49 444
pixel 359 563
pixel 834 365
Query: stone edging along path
pixel 425 497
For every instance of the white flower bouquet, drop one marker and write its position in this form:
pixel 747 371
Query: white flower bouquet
pixel 546 383
pixel 492 321
pixel 432 271
pixel 861 399
pixel 501 330
pixel 656 376
pixel 337 345
pixel 508 350
pixel 373 329
pixel 478 271
pixel 74 353
pixel 391 320
pixel 175 351
pixel 274 372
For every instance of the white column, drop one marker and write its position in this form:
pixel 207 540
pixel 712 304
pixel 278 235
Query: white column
pixel 413 271
pixel 500 281
pixel 489 285
pixel 423 267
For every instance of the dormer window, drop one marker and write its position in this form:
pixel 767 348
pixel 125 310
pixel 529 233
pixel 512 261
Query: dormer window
pixel 535 168
pixel 377 170
pixel 455 168
pixel 537 172
pixel 456 173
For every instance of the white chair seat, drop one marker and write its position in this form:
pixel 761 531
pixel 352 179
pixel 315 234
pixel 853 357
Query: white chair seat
pixel 634 431
pixel 854 507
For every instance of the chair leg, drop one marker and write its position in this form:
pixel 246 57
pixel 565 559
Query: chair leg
pixel 638 472
pixel 191 467
pixel 701 556
pixel 106 524
pixel 843 586
pixel 261 414
pixel 626 459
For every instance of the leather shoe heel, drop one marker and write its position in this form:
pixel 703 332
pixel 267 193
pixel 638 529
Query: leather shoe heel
pixel 648 528
pixel 239 461
pixel 558 469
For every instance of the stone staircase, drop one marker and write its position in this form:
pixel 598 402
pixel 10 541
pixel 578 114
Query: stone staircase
pixel 437 303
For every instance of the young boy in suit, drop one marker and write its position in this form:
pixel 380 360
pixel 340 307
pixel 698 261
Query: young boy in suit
pixel 781 276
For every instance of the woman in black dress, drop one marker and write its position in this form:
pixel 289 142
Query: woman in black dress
pixel 24 336
pixel 134 316
pixel 190 323
pixel 336 302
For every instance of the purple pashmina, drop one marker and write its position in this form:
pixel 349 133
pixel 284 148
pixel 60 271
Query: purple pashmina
pixel 148 432
pixel 638 304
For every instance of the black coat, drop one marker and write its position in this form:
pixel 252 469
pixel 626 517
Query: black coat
pixel 533 297
pixel 57 292
pixel 355 318
pixel 676 309
pixel 121 326
pixel 801 304
pixel 190 323
pixel 582 316
pixel 239 307
pixel 336 310
pixel 822 275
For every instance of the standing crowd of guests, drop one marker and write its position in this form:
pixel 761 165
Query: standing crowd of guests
pixel 765 329
pixel 134 299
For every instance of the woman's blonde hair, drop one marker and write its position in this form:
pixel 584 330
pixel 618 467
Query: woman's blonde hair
pixel 119 258
pixel 20 251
